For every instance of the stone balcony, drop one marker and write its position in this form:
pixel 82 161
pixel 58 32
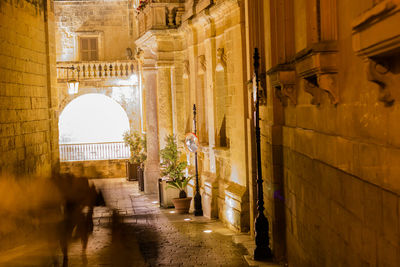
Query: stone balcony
pixel 95 70
pixel 160 15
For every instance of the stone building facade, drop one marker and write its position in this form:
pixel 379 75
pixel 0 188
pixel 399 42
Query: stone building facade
pixel 329 113
pixel 328 122
pixel 330 130
pixel 28 92
pixel 96 38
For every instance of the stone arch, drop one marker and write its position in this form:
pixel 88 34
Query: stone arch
pixel 104 121
pixel 131 108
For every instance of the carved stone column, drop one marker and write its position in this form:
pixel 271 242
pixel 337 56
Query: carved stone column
pixel 152 167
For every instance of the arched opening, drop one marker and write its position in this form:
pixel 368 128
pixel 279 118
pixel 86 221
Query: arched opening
pixel 91 127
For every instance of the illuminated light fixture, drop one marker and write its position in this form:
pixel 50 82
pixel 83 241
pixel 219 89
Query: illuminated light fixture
pixel 219 67
pixel 72 84
pixel 155 202
pixel 187 219
pixel 172 211
pixel 207 231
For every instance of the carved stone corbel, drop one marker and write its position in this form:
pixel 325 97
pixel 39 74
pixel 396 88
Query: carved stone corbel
pixel 378 73
pixel 201 63
pixel 328 83
pixel 379 49
pixel 283 82
pixel 318 69
pixel 221 60
pixel 311 87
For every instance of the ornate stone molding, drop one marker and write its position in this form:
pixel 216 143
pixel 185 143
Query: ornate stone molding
pixel 202 65
pixel 221 60
pixel 203 4
pixel 377 39
pixel 186 69
pixel 283 79
pixel 160 15
pixel 318 69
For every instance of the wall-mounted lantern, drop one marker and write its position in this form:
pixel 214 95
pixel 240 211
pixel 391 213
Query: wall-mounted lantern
pixel 72 84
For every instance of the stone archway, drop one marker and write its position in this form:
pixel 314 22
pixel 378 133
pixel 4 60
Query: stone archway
pixel 124 92
pixel 92 118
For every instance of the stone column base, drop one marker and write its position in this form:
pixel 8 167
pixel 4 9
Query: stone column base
pixel 151 176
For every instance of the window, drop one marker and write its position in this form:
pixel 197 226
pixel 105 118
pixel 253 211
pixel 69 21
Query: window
pixel 89 48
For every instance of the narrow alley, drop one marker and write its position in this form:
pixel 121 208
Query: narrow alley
pixel 139 233
pixel 146 235
pixel 276 122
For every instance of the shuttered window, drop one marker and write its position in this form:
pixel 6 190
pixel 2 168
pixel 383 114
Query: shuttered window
pixel 89 49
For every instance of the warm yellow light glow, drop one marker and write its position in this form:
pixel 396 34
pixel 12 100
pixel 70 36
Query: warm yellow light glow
pixel 92 118
pixel 219 67
pixel 73 86
pixel 229 215
pixel 187 219
pixel 172 211
pixel 132 80
pixel 207 231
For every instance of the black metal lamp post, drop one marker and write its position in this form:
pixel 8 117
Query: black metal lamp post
pixel 262 250
pixel 198 210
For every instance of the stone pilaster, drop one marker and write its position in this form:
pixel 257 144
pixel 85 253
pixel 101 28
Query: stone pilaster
pixel 164 101
pixel 152 167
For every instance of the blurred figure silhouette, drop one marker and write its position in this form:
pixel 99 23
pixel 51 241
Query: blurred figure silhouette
pixel 79 200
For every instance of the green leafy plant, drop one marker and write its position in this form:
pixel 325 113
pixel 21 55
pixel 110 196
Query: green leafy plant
pixel 137 146
pixel 172 167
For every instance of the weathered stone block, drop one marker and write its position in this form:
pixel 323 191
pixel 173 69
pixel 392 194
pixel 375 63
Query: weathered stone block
pixel 390 218
pixel 373 207
pixel 353 193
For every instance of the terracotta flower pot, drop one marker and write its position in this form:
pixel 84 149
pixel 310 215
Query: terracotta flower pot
pixel 182 205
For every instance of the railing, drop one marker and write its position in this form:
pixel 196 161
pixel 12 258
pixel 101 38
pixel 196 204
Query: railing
pixel 96 69
pixel 94 151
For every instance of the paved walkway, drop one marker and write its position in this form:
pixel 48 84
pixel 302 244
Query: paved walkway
pixel 145 235
pixel 133 231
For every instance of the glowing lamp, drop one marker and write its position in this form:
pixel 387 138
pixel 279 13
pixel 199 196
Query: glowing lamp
pixel 73 86
pixel 219 67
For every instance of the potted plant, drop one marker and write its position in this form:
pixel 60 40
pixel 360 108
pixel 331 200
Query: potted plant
pixel 137 147
pixel 173 168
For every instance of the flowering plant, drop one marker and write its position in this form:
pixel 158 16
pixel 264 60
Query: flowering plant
pixel 142 4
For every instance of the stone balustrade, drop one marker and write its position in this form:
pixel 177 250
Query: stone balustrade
pixel 160 15
pixel 85 70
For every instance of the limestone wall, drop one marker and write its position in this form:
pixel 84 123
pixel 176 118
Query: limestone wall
pixel 28 100
pixel 95 169
pixel 339 162
pixel 214 81
pixel 111 22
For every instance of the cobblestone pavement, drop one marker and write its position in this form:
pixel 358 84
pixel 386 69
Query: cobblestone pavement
pixel 145 235
pixel 133 231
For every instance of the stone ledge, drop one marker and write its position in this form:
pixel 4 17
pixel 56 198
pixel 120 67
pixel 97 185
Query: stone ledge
pixel 234 207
